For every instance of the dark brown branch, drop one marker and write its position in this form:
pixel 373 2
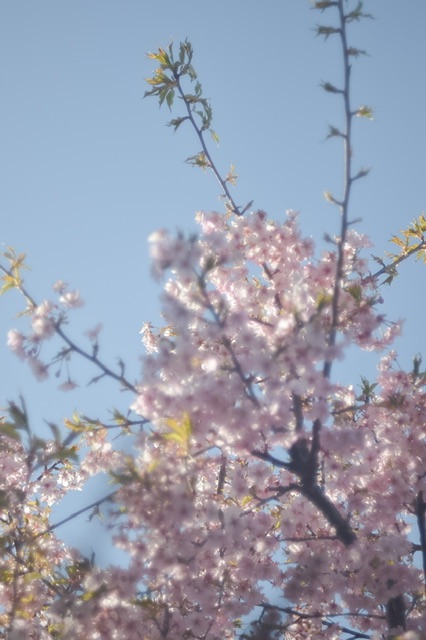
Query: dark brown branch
pixel 311 616
pixel 316 496
pixel 301 463
pixel 222 475
pixel 420 511
pixel 396 613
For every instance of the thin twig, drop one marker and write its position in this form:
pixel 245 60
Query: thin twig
pixel 84 354
pixel 344 204
pixel 392 266
pixel 93 505
pixel 206 152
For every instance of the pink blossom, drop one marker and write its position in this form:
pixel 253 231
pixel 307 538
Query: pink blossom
pixel 39 369
pixel 48 490
pixel 60 286
pixel 69 385
pixel 43 327
pixel 218 503
pixel 42 322
pixel 16 341
pixel 148 338
pixel 71 299
pixel 93 334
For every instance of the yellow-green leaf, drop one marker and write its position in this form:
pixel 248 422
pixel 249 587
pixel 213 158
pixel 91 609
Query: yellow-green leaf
pixel 180 430
pixel 365 112
pixel 9 430
pixel 355 291
pixel 246 500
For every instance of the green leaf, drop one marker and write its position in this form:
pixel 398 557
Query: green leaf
pixel 158 78
pixel 163 95
pixel 214 136
pixel 55 430
pixel 325 31
pixel 191 98
pixel 329 197
pixel 9 283
pixel 89 595
pixel 357 13
pixel 180 430
pixel 18 414
pixel 422 222
pixel 322 5
pixel 176 122
pixel 76 423
pixel 170 97
pixel 367 388
pixel 32 575
pixel 124 478
pixel 361 173
pixel 330 88
pixel 334 132
pixel 185 51
pixel 64 453
pixel 364 112
pixel 119 418
pixel 355 291
pixel 182 54
pixel 10 431
pixel 191 72
pixel 355 53
pixel 231 176
pixel 199 160
pixel 397 241
pixel 323 300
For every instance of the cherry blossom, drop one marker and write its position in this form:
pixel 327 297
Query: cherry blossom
pixel 216 505
pixel 71 299
pixel 255 496
pixel 16 341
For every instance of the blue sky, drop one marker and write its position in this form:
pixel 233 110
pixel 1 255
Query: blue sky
pixel 89 168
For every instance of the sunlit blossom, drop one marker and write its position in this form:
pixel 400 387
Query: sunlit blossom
pixel 71 299
pixel 16 342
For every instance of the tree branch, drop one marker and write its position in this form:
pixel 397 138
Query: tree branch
pixel 420 511
pixel 71 344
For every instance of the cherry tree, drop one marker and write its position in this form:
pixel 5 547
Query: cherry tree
pixel 262 498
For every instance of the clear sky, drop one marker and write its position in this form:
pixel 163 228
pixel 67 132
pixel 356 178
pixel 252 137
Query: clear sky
pixel 89 168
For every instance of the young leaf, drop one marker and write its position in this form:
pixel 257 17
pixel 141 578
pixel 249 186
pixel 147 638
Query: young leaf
pixel 214 136
pixel 355 53
pixel 9 430
pixel 200 160
pixel 170 97
pixel 324 4
pixel 325 31
pixel 330 88
pixel 364 112
pixel 334 132
pixel 180 431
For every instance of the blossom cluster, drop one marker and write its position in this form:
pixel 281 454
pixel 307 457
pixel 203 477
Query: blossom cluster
pixel 250 307
pixel 46 318
pixel 259 474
